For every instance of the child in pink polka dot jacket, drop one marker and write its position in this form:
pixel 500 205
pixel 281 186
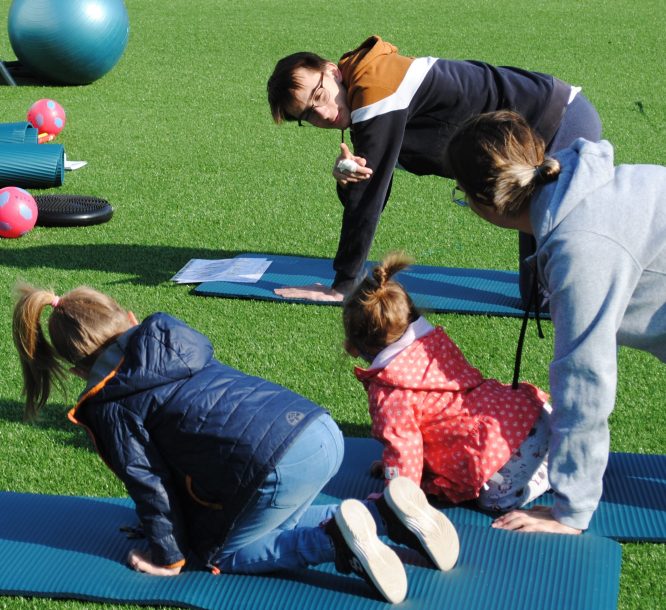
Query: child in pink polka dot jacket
pixel 459 436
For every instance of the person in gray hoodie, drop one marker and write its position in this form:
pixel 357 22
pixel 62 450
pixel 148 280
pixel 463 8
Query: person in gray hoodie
pixel 601 258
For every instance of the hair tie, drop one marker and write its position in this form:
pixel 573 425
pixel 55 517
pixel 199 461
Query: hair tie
pixel 539 173
pixel 55 302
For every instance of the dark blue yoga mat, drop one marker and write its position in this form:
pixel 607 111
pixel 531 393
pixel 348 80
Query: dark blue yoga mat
pixel 70 547
pixel 442 289
pixel 632 508
pixel 18 133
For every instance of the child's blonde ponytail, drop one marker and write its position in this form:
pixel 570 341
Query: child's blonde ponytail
pixel 38 359
pixel 81 323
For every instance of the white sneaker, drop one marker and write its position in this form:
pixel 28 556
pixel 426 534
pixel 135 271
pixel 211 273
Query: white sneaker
pixel 358 549
pixel 429 530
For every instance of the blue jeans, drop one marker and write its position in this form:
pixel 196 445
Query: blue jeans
pixel 281 530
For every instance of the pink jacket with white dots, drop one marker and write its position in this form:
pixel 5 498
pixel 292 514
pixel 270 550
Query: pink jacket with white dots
pixel 442 424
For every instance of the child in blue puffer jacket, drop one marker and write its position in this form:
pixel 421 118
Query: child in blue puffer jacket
pixel 222 467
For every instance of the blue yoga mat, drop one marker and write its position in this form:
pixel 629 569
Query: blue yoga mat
pixel 70 547
pixel 632 508
pixel 32 165
pixel 18 133
pixel 442 289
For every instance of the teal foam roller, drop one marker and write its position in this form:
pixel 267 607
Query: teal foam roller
pixel 32 165
pixel 18 133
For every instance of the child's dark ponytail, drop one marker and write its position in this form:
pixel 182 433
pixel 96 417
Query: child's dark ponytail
pixel 380 310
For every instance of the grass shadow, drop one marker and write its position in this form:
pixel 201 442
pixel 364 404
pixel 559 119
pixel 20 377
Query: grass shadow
pixel 350 429
pixel 147 265
pixel 52 418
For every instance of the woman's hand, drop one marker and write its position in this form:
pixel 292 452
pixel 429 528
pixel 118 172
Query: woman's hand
pixel 536 519
pixel 140 562
pixel 311 292
pixel 352 171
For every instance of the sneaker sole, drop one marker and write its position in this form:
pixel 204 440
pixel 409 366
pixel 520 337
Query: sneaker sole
pixel 435 532
pixel 379 561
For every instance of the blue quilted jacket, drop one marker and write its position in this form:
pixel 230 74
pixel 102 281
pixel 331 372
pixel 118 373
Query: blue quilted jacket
pixel 191 438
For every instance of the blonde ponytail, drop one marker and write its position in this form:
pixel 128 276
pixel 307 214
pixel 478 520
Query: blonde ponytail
pixel 38 358
pixel 80 324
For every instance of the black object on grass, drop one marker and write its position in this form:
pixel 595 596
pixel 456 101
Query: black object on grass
pixel 71 210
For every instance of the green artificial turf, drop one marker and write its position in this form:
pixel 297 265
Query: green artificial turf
pixel 179 139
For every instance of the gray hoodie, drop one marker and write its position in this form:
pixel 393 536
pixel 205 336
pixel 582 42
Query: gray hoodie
pixel 601 255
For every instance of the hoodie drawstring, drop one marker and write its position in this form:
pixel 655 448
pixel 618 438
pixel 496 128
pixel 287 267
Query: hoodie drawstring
pixel 534 298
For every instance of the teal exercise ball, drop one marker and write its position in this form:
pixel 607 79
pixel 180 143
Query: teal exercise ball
pixel 71 42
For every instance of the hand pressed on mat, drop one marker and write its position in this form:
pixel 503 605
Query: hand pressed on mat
pixel 140 561
pixel 310 292
pixel 535 519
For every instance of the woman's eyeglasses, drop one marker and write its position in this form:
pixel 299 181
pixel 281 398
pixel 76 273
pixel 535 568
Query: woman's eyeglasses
pixel 319 96
pixel 459 197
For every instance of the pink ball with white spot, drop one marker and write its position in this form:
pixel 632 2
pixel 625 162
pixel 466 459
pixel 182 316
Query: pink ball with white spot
pixel 18 212
pixel 47 116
